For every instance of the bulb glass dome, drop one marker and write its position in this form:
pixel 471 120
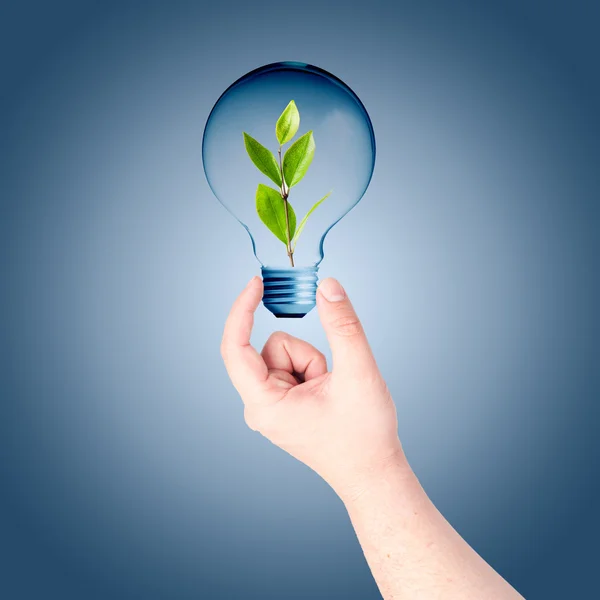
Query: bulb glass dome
pixel 342 164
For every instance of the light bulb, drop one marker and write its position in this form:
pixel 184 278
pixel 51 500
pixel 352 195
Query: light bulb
pixel 342 166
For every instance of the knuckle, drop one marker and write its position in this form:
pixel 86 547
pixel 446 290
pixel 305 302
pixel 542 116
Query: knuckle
pixel 258 419
pixel 223 349
pixel 277 337
pixel 252 419
pixel 321 360
pixel 346 325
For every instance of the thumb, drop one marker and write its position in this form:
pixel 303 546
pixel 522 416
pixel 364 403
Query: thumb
pixel 352 355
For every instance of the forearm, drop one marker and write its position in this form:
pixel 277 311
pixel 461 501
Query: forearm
pixel 411 549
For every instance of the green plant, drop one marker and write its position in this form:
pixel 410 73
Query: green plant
pixel 273 206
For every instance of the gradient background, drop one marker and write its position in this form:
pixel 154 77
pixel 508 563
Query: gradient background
pixel 126 468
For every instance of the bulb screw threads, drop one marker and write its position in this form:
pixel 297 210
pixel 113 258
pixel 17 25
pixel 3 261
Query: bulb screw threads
pixel 290 293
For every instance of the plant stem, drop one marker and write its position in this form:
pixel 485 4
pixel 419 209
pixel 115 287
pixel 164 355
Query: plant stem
pixel 284 195
pixel 290 252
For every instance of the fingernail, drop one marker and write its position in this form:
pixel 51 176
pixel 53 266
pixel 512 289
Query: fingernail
pixel 252 281
pixel 332 290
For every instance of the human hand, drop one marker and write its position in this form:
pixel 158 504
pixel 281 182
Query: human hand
pixel 343 425
pixel 340 423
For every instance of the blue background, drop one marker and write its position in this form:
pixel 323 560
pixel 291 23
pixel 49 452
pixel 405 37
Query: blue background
pixel 126 468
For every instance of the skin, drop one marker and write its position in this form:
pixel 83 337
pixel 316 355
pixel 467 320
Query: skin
pixel 342 423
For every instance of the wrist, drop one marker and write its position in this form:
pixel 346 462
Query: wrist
pixel 391 473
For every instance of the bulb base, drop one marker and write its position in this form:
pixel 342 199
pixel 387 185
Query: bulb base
pixel 290 293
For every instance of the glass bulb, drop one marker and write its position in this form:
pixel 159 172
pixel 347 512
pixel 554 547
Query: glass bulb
pixel 342 164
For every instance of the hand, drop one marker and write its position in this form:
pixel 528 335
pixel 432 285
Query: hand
pixel 341 423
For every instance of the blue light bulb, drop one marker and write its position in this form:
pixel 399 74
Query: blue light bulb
pixel 343 164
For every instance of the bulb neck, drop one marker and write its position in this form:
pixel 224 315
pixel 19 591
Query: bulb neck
pixel 290 293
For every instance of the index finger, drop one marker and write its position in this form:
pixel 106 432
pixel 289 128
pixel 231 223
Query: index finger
pixel 244 364
pixel 352 355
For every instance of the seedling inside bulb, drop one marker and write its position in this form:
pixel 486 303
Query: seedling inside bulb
pixel 273 205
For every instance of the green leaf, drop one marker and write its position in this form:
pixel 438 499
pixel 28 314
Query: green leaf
pixel 288 123
pixel 263 158
pixel 298 158
pixel 271 210
pixel 303 222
